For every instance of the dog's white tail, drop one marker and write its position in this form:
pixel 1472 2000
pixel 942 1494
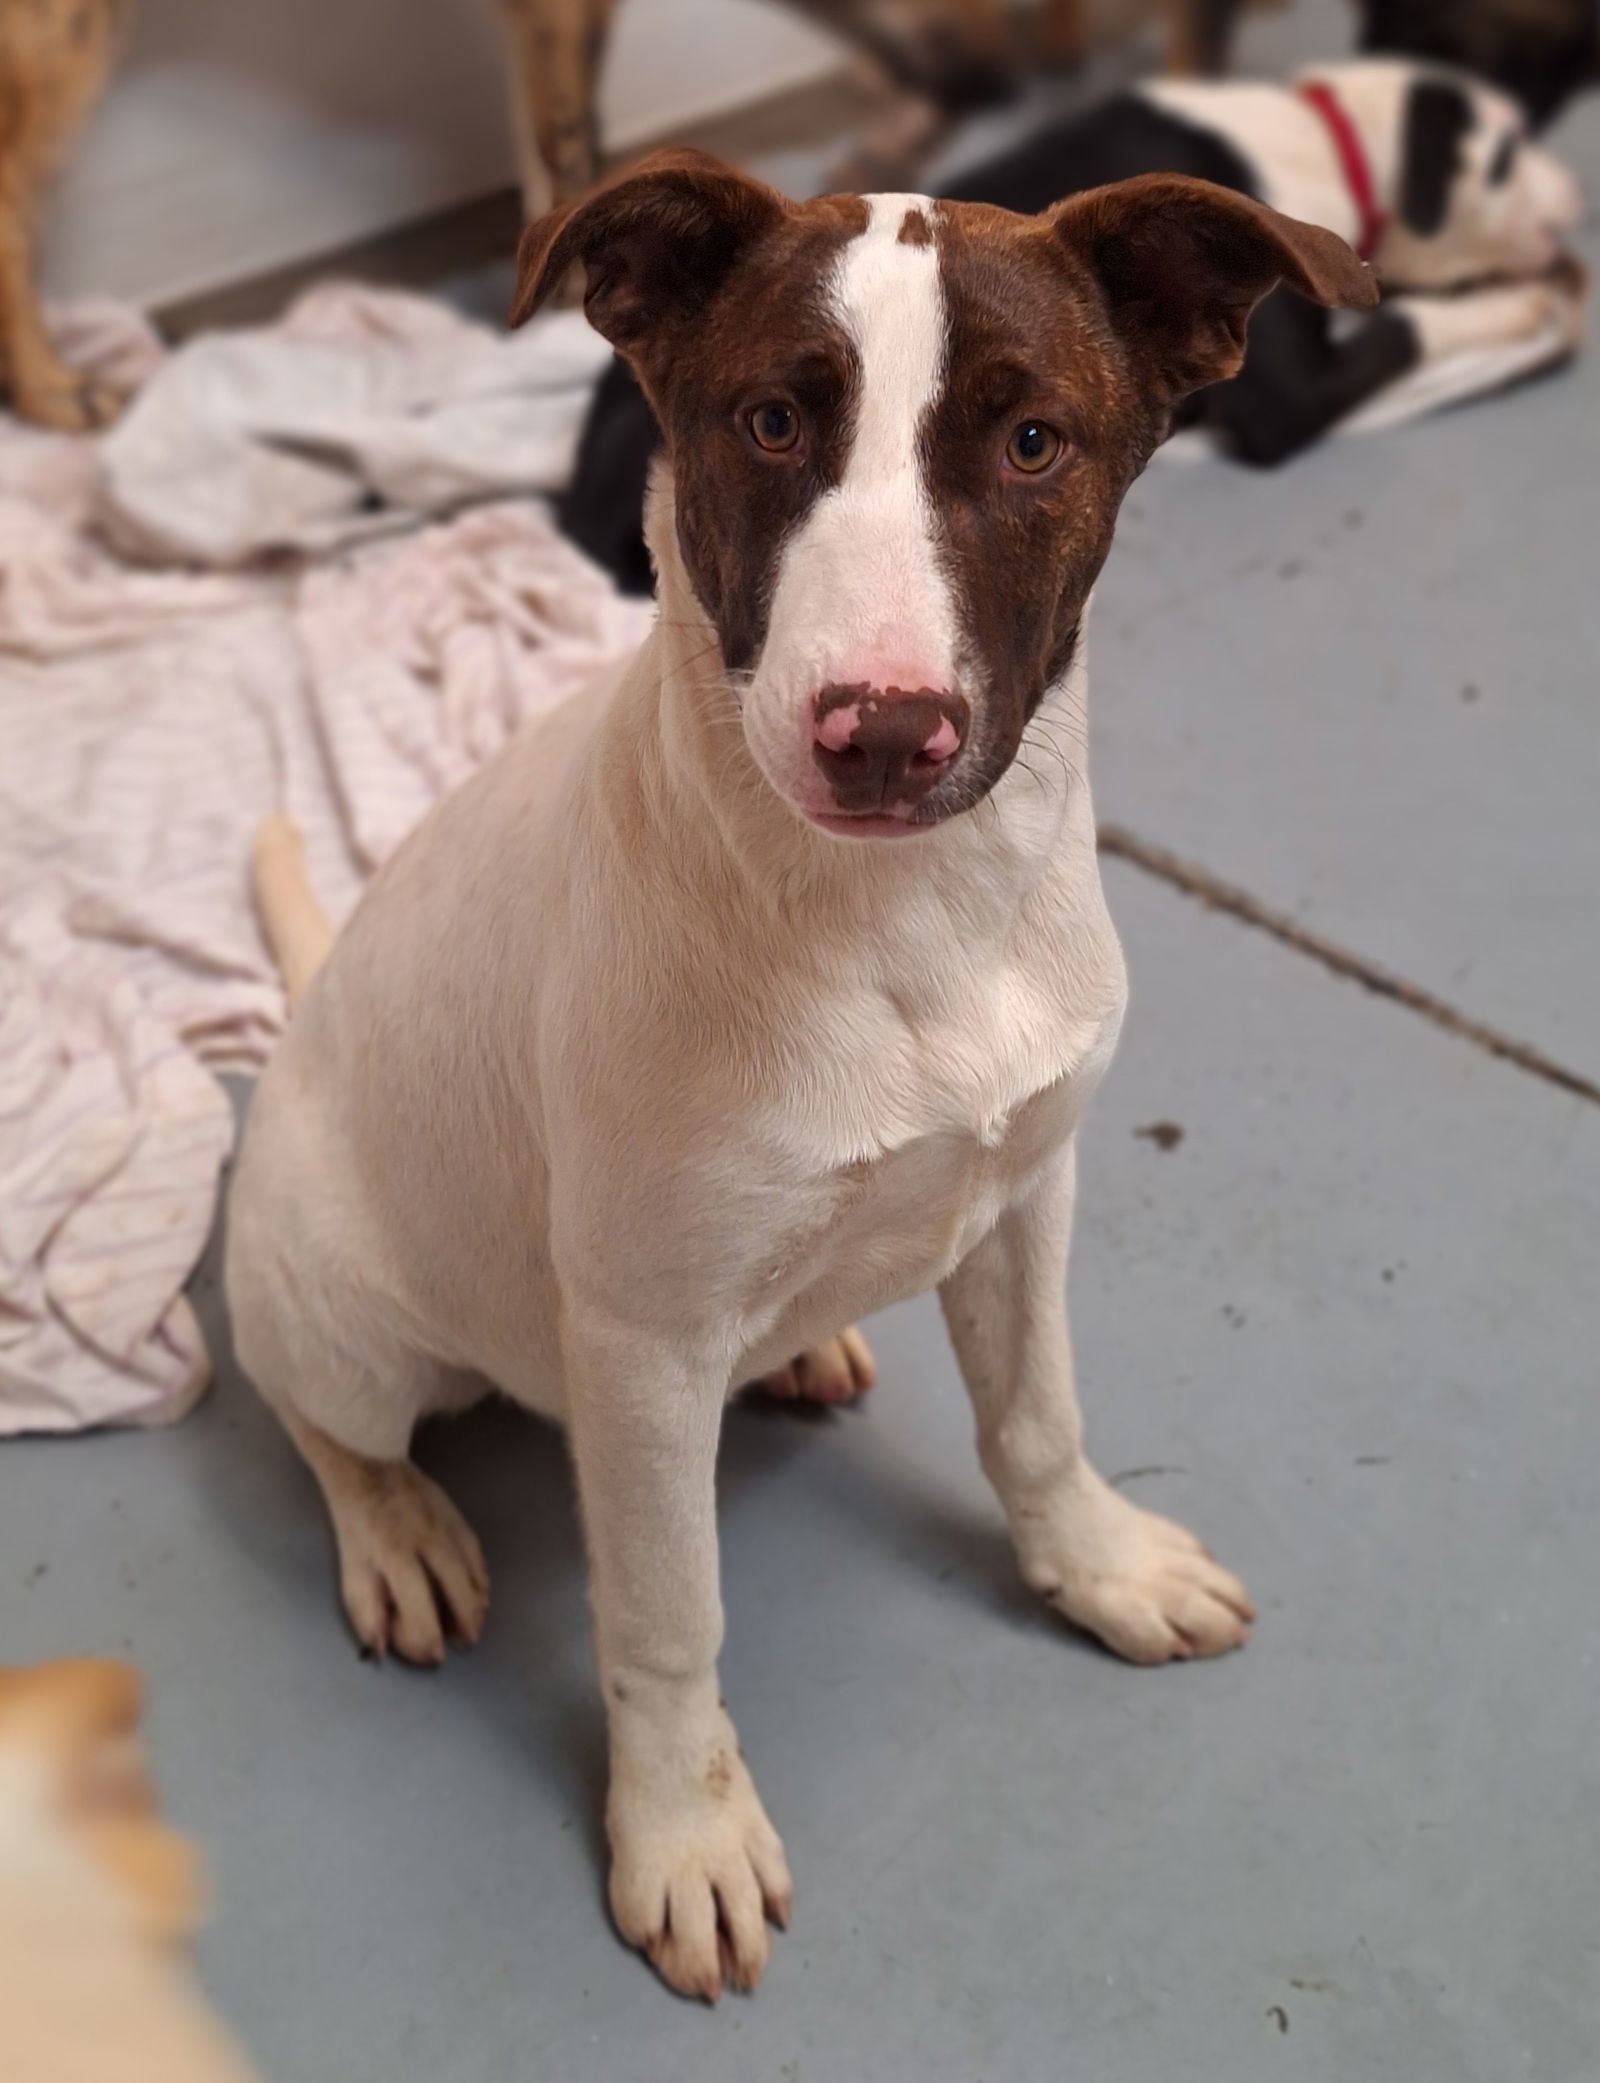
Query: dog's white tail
pixel 297 928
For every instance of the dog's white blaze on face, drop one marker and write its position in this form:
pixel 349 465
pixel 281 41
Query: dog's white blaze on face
pixel 859 597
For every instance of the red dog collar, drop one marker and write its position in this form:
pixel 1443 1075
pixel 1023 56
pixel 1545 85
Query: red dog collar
pixel 1353 161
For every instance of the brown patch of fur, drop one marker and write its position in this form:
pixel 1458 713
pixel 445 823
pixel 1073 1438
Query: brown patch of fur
pixel 1027 340
pixel 915 230
pixel 1095 319
pixel 710 283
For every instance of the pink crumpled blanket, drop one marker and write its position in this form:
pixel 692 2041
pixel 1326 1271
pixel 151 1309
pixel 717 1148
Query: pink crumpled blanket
pixel 149 719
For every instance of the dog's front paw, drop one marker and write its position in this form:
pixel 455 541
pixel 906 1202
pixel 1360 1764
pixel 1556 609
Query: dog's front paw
pixel 1145 1586
pixel 695 1874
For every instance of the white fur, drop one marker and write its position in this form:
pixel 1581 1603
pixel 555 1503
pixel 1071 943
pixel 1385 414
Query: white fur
pixel 623 1086
pixel 860 598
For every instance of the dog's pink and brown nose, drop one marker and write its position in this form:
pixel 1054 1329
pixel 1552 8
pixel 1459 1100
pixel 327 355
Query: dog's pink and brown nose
pixel 883 748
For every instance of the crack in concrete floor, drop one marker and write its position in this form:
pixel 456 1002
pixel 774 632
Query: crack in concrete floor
pixel 1216 895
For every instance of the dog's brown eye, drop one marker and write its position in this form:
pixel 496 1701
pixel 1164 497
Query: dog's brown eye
pixel 1033 447
pixel 775 428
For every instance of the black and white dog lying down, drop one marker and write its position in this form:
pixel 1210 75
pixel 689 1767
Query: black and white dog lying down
pixel 1429 174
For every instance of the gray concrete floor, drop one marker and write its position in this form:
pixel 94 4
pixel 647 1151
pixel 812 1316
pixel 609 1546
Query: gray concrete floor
pixel 1347 1327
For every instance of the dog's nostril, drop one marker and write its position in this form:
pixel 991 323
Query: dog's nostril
pixel 943 743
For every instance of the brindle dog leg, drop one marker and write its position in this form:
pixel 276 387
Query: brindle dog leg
pixel 54 57
pixel 559 47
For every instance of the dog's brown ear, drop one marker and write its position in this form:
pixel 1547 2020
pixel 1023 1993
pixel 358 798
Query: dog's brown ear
pixel 1183 263
pixel 654 240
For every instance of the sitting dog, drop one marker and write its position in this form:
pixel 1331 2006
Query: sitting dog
pixel 1427 172
pixel 767 984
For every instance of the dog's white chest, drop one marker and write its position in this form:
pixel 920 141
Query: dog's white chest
pixel 918 1208
pixel 923 1139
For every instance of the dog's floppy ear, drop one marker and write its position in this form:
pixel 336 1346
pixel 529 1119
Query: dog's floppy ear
pixel 654 241
pixel 1182 264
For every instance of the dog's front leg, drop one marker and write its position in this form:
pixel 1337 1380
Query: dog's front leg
pixel 696 1867
pixel 1145 1586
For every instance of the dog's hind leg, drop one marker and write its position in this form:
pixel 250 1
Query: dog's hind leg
pixel 411 1573
pixel 349 1392
pixel 838 1372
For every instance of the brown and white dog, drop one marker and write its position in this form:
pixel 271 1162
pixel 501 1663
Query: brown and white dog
pixel 768 984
